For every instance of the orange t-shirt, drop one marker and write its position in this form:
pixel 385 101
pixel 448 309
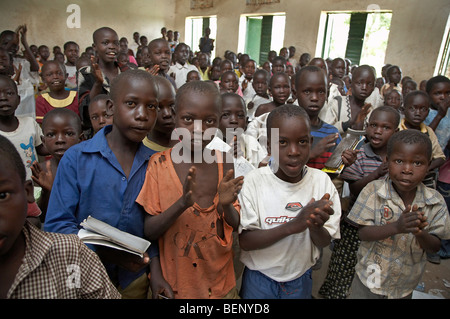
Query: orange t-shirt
pixel 195 261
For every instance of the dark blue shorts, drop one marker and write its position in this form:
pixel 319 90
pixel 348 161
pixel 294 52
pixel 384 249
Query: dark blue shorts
pixel 256 285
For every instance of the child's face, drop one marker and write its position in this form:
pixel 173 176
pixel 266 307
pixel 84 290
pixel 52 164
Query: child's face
pixel 393 99
pixel 260 84
pixel 72 53
pixel 60 133
pixel 226 66
pixel 182 54
pixel 229 82
pixel 193 76
pixel 106 45
pixel 395 75
pixel 408 87
pixel 408 165
pixel 203 61
pixel 338 69
pixel 99 115
pixel 440 92
pixel 5 62
pixel 145 58
pixel 311 92
pixel 293 147
pixel 215 73
pixel 278 67
pixel 44 53
pixel 249 69
pixel 233 114
pixel 14 195
pixel 416 111
pixel 160 55
pixel 165 121
pixel 380 128
pixel 197 113
pixel 134 108
pixel 9 99
pixel 363 84
pixel 53 76
pixel 122 58
pixel 280 89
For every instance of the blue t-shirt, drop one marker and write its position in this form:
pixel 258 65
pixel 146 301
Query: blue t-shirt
pixel 443 129
pixel 90 181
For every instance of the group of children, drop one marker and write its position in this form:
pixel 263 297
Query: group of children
pixel 223 175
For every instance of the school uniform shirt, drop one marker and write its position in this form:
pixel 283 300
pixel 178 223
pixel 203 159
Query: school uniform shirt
pixel 267 202
pixel 195 260
pixel 181 72
pixel 45 103
pixel 257 100
pixel 398 261
pixel 25 138
pixel 90 181
pixel 57 266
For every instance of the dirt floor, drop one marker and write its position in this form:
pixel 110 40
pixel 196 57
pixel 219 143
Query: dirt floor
pixel 436 279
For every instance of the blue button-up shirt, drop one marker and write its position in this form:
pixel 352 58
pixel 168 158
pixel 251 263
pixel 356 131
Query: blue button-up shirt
pixel 90 181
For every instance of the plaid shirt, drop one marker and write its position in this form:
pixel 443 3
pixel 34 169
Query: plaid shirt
pixel 59 266
pixel 399 259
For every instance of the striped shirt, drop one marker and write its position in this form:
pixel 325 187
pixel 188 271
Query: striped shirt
pixel 366 162
pixel 319 132
pixel 59 266
pixel 398 261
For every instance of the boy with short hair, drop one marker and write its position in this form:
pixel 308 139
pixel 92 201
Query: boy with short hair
pixel 399 219
pixel 260 84
pixel 288 212
pixel 61 129
pixel 370 165
pixel 182 67
pixel 191 196
pixel 96 78
pixel 35 264
pixel 98 113
pixel 416 109
pixel 115 152
pixel 160 58
pixel 72 53
pixel 54 76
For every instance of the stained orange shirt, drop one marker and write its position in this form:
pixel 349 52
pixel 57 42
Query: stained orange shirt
pixel 195 261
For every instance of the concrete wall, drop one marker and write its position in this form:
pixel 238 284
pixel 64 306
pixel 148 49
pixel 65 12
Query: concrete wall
pixel 416 31
pixel 417 27
pixel 47 19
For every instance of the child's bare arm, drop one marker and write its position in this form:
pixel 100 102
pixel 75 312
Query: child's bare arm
pixel 312 216
pixel 357 186
pixel 157 282
pixel 228 191
pixel 409 221
pixel 156 225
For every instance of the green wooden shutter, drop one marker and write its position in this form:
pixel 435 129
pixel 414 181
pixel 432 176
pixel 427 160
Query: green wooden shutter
pixel 356 37
pixel 205 24
pixel 253 38
pixel 266 39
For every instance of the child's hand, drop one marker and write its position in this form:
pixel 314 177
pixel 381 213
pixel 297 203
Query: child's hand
pixel 96 70
pixel 325 143
pixel 188 188
pixel 43 178
pixel 314 214
pixel 443 106
pixel 381 170
pixel 244 85
pixel 17 72
pixel 362 114
pixel 154 70
pixel 410 220
pixel 229 188
pixel 349 157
